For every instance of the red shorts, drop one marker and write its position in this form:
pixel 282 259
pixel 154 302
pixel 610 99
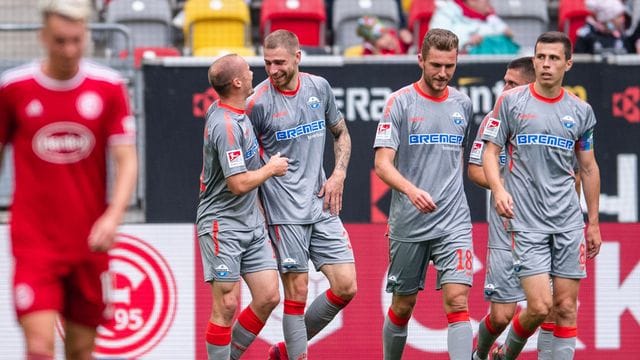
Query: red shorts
pixel 73 289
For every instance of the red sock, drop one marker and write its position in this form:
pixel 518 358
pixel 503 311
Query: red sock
pixel 218 335
pixel 396 320
pixel 457 316
pixel 336 300
pixel 250 321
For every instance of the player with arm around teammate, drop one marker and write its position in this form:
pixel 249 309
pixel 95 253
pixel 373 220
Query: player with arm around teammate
pixel 419 153
pixel 545 125
pixel 231 230
pixel 63 115
pixel 291 112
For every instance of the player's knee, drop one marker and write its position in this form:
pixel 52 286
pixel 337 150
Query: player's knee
pixel 538 309
pixel 456 303
pixel 500 320
pixel 39 345
pixel 78 351
pixel 227 305
pixel 565 309
pixel 346 290
pixel 403 308
pixel 269 301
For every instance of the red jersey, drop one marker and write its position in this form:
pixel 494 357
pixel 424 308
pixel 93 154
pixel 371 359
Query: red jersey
pixel 60 131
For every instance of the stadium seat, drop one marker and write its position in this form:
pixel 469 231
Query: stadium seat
pixel 419 17
pixel 305 18
pixel 347 12
pixel 572 15
pixel 148 20
pixel 526 18
pixel 216 24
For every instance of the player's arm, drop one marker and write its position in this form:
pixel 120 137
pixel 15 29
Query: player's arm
pixel 242 183
pixel 387 172
pixel 491 166
pixel 332 189
pixel 590 177
pixel 476 174
pixel 104 229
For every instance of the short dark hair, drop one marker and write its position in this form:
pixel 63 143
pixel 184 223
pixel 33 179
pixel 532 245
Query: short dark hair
pixel 282 38
pixel 525 66
pixel 552 37
pixel 221 74
pixel 440 39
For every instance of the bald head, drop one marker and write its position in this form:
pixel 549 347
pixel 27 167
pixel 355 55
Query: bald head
pixel 224 70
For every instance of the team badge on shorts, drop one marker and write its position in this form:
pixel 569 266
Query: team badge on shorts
pixel 457 118
pixel 313 102
pixel 476 150
pixel 492 127
pixel 234 158
pixel 384 131
pixel 222 270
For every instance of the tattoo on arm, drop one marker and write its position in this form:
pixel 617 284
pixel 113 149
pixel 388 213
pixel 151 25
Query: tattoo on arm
pixel 341 145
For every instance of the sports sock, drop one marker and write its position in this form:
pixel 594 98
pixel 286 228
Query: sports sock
pixel 487 336
pixel 218 339
pixel 545 341
pixel 564 342
pixel 516 339
pixel 245 330
pixel 394 335
pixel 459 336
pixel 321 311
pixel 294 329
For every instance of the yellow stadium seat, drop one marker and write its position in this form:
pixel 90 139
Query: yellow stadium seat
pixel 353 51
pixel 216 23
pixel 221 50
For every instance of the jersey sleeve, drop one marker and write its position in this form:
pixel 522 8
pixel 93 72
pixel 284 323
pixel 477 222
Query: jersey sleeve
pixel 121 124
pixel 6 118
pixel 477 147
pixel 228 141
pixel 496 128
pixel 585 141
pixel 332 114
pixel 388 131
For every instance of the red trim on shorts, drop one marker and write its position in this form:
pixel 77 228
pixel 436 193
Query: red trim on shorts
pixel 548 326
pixel 513 240
pixel 396 320
pixel 216 244
pixel 565 332
pixel 336 300
pixel 276 230
pixel 250 321
pixel 545 99
pixel 34 356
pixel 457 316
pixel 490 328
pixel 292 307
pixel 519 330
pixel 218 335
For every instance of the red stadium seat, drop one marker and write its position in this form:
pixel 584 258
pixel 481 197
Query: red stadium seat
pixel 419 16
pixel 572 15
pixel 305 18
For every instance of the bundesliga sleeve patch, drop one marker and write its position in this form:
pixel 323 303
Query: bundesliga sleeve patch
pixel 492 127
pixel 384 131
pixel 476 150
pixel 234 158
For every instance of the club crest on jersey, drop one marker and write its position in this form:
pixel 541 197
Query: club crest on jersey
pixel 568 122
pixel 384 131
pixel 492 127
pixel 34 108
pixel 476 150
pixel 457 118
pixel 89 105
pixel 234 158
pixel 313 102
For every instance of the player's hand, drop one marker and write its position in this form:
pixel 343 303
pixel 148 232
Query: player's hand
pixel 594 240
pixel 278 164
pixel 103 232
pixel 332 192
pixel 504 204
pixel 421 200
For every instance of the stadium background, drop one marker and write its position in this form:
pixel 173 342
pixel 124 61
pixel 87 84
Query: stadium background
pixel 161 304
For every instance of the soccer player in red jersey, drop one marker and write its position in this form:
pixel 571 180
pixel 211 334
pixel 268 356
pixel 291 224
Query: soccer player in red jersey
pixel 62 115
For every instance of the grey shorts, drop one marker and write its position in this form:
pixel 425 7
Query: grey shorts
pixel 501 285
pixel 227 255
pixel 562 255
pixel 324 243
pixel 452 256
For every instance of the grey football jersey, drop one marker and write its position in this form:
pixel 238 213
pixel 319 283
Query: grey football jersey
pixel 542 135
pixel 428 136
pixel 230 147
pixel 295 124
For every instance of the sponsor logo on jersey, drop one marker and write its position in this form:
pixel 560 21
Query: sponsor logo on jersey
pixel 568 122
pixel 313 102
pixel 289 263
pixel 234 158
pixel 63 142
pixel 492 127
pixel 434 139
pixel 34 108
pixel 252 150
pixel 300 130
pixel 384 131
pixel 476 150
pixel 222 270
pixel 546 140
pixel 89 105
pixel 457 118
pixel 23 296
